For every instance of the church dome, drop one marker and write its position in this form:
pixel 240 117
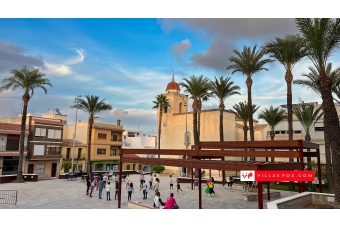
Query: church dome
pixel 173 85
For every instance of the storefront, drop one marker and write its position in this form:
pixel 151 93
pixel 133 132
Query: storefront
pixel 106 165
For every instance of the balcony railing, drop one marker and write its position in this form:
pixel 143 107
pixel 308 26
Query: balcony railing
pixel 117 140
pixel 3 148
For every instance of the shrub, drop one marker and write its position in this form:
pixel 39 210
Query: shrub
pixel 158 168
pixel 66 165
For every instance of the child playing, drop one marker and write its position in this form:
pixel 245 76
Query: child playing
pixel 108 187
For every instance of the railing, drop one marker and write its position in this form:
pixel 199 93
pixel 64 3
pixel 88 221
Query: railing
pixel 8 197
pixel 2 147
pixel 53 153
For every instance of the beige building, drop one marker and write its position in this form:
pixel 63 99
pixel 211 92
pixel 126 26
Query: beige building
pixel 79 155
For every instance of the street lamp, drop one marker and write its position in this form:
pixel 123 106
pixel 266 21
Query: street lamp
pixel 75 130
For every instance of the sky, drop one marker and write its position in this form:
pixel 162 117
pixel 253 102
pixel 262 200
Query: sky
pixel 128 61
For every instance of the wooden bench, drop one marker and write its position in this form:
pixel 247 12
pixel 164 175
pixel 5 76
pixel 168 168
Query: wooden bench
pixel 253 196
pixel 139 205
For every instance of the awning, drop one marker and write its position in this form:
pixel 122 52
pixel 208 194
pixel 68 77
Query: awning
pixel 106 162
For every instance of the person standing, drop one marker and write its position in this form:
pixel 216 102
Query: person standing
pixel 171 202
pixel 150 181
pixel 145 192
pixel 130 191
pixel 156 186
pixel 171 184
pixel 127 181
pixel 88 184
pixel 95 181
pixel 108 193
pixel 178 185
pixel 105 178
pixel 141 179
pixel 91 188
pixel 100 187
pixel 117 189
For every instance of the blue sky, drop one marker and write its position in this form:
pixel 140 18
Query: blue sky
pixel 130 61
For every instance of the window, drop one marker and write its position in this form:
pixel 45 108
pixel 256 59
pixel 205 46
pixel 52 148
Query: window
pixel 40 169
pixel 113 152
pixel 101 151
pixel 68 152
pixel 114 137
pixel 102 136
pixel 79 152
pixel 12 145
pixel 39 150
pixel 40 132
pixel 319 129
pixel 53 150
pixel 54 134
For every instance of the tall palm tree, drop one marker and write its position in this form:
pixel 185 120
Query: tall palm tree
pixel 241 112
pixel 27 81
pixel 249 62
pixel 307 117
pixel 322 39
pixel 92 106
pixel 311 83
pixel 222 89
pixel 288 51
pixel 273 116
pixel 197 87
pixel 161 103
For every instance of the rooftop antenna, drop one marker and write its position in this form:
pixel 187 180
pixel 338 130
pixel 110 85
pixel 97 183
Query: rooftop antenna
pixel 173 75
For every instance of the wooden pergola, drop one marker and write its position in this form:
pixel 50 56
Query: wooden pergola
pixel 219 150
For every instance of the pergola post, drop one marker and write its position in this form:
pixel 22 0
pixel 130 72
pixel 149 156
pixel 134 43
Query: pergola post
pixel 192 178
pixel 259 193
pixel 199 190
pixel 120 180
pixel 223 174
pixel 268 191
pixel 319 170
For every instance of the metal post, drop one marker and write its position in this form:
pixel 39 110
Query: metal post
pixel 268 191
pixel 75 130
pixel 120 180
pixel 223 175
pixel 199 190
pixel 259 192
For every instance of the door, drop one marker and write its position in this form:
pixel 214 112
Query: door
pixel 54 170
pixel 30 169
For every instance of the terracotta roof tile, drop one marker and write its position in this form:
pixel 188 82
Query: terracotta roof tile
pixel 173 85
pixel 69 143
pixel 49 122
pixel 7 126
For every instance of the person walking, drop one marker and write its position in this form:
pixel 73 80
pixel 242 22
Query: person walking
pixel 91 188
pixel 105 179
pixel 95 181
pixel 141 179
pixel 156 186
pixel 171 202
pixel 130 191
pixel 127 181
pixel 171 184
pixel 108 193
pixel 145 192
pixel 100 187
pixel 88 184
pixel 151 181
pixel 117 190
pixel 178 185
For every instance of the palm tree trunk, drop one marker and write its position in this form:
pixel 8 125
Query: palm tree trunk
pixel 199 108
pixel 309 159
pixel 331 121
pixel 89 165
pixel 25 99
pixel 329 168
pixel 221 107
pixel 194 117
pixel 245 137
pixel 160 129
pixel 249 83
pixel 272 136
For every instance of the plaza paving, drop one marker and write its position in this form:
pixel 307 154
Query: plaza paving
pixel 62 194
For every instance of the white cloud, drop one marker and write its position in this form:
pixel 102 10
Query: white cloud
pixel 56 69
pixel 82 78
pixel 181 47
pixel 76 60
pixel 120 113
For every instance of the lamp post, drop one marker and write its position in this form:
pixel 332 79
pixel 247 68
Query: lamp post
pixel 75 130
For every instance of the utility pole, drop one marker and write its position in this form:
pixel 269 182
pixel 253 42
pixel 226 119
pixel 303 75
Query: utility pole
pixel 75 130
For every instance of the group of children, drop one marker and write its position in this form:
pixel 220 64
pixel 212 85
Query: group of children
pixel 99 184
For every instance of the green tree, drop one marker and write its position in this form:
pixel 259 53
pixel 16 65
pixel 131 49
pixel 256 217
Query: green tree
pixel 273 116
pixel 27 81
pixel 161 103
pixel 249 62
pixel 66 165
pixel 322 39
pixel 241 112
pixel 307 117
pixel 92 106
pixel 222 89
pixel 197 88
pixel 288 51
pixel 158 168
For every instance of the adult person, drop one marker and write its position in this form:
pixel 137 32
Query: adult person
pixel 127 181
pixel 117 190
pixel 130 191
pixel 156 186
pixel 100 187
pixel 171 202
pixel 158 203
pixel 150 181
pixel 145 190
pixel 88 184
pixel 141 179
pixel 105 178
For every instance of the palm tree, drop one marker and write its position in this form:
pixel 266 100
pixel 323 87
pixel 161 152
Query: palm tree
pixel 273 116
pixel 92 106
pixel 288 51
pixel 27 81
pixel 163 104
pixel 222 89
pixel 307 117
pixel 311 83
pixel 241 112
pixel 248 63
pixel 197 87
pixel 322 39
